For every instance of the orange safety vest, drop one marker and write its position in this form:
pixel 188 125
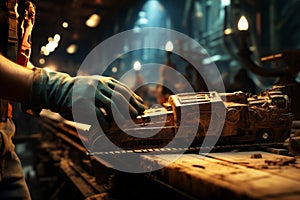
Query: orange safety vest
pixel 9 110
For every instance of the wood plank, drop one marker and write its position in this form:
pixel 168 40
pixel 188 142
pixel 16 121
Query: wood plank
pixel 227 175
pixel 272 163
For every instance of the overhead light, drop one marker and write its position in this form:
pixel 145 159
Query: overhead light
pixel 228 31
pixel 42 61
pixel 65 24
pixel 243 24
pixel 93 21
pixel 114 70
pixel 169 46
pixel 46 53
pixel 199 14
pixel 51 46
pixel 143 21
pixel 137 66
pixel 151 14
pixel 56 38
pixel 72 48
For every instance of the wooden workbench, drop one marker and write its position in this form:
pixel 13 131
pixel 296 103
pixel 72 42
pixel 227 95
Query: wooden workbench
pixel 233 175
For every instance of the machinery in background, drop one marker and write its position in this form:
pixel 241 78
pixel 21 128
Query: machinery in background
pixel 287 68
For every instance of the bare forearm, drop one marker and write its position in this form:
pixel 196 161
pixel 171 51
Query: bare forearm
pixel 15 81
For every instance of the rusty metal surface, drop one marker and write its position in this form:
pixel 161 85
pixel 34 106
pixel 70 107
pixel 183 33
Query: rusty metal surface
pixel 287 68
pixel 249 118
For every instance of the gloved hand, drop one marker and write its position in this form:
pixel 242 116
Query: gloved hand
pixel 60 93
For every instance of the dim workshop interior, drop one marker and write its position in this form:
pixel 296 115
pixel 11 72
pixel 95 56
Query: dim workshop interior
pixel 220 84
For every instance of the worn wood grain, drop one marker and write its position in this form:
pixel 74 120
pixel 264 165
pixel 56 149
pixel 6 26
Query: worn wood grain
pixel 230 175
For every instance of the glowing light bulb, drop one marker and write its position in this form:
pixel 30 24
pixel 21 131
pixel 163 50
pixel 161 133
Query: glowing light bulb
pixel 169 46
pixel 243 24
pixel 137 66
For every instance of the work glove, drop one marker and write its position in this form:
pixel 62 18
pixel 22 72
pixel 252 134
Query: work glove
pixel 87 94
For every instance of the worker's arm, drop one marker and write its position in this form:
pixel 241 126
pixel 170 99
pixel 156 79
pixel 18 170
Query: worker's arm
pixel 39 88
pixel 15 81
